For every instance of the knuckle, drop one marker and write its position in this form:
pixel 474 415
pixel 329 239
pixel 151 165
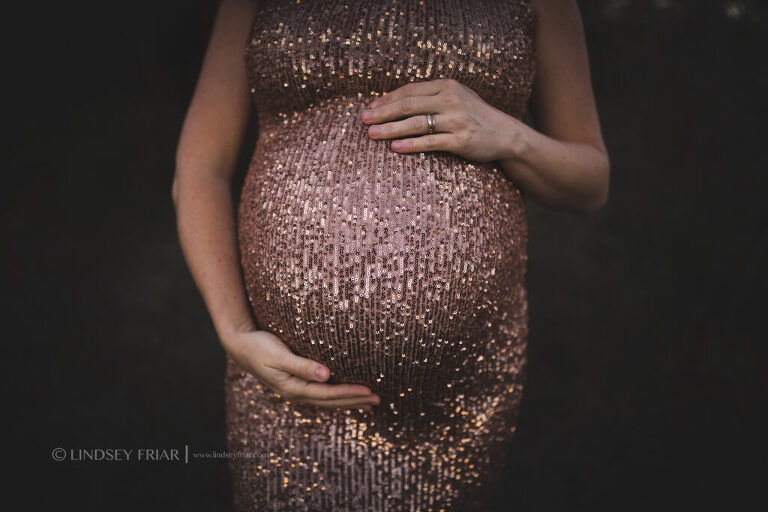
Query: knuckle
pixel 451 84
pixel 452 99
pixel 460 121
pixel 407 104
pixel 308 367
pixel 270 362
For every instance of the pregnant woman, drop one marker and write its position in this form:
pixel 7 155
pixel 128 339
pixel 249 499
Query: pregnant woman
pixel 368 287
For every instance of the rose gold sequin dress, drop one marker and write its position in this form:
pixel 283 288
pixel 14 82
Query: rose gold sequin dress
pixel 403 272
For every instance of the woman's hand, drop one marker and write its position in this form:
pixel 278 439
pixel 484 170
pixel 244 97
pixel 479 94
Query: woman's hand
pixel 563 162
pixel 464 124
pixel 295 378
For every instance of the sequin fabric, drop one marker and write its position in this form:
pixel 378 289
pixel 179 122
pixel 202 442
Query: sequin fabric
pixel 401 271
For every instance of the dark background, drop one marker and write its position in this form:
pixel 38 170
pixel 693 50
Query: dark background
pixel 645 382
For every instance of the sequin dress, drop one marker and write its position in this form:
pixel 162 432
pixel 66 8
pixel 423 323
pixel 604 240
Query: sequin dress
pixel 401 271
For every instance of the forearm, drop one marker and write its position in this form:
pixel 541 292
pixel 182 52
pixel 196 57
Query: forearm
pixel 566 175
pixel 206 228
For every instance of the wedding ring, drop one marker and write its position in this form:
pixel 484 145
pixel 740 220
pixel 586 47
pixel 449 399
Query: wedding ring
pixel 430 124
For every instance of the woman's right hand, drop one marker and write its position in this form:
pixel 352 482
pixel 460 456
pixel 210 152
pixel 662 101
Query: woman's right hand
pixel 295 378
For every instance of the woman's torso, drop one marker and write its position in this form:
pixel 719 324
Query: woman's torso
pixel 386 267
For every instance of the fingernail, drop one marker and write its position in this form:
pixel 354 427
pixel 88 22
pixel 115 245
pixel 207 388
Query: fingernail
pixel 396 144
pixel 373 131
pixel 366 115
pixel 375 400
pixel 320 372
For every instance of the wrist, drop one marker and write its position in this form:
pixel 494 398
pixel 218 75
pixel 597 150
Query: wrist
pixel 514 142
pixel 232 330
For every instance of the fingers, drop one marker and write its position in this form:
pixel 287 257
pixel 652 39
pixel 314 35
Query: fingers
pixel 297 380
pixel 415 125
pixel 407 106
pixel 300 388
pixel 424 88
pixel 351 403
pixel 302 367
pixel 330 395
pixel 434 142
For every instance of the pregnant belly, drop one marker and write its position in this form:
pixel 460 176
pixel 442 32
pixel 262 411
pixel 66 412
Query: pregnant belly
pixel 385 267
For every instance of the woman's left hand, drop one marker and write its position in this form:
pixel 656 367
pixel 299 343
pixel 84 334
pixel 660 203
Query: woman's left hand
pixel 464 124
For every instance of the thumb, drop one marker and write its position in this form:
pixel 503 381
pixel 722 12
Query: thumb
pixel 306 368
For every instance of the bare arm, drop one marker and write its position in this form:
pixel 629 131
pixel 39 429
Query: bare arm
pixel 205 161
pixel 565 164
